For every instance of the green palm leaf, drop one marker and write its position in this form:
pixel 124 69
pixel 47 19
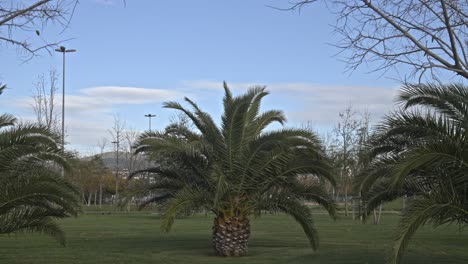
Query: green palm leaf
pixel 32 193
pixel 421 152
pixel 231 170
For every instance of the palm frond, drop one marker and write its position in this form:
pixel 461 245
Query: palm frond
pixel 420 212
pixel 185 199
pixel 7 120
pixel 36 220
pixel 421 152
pixel 33 193
pixel 238 168
pixel 295 208
pixel 450 100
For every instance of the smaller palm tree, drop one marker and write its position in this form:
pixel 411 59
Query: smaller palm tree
pixel 236 170
pixel 32 192
pixel 422 152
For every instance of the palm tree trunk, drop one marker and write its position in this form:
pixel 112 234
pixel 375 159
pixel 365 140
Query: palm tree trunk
pixel 231 235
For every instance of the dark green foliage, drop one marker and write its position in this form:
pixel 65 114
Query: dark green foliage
pixel 422 152
pixel 237 169
pixel 32 192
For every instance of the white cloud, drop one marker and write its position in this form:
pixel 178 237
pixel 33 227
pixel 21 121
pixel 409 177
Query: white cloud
pixel 87 132
pixel 90 111
pixel 319 104
pixel 104 98
pixel 322 104
pixel 130 95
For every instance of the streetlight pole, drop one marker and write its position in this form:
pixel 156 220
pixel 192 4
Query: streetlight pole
pixel 63 50
pixel 149 117
pixel 148 159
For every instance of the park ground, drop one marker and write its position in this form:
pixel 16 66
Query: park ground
pixel 111 237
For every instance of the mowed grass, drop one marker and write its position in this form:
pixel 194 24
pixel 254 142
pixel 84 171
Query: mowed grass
pixel 136 238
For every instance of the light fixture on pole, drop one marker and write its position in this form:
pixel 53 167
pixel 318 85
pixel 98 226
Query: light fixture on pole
pixel 149 117
pixel 63 50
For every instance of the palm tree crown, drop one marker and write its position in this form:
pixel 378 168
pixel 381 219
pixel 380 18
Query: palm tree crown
pixel 237 169
pixel 422 152
pixel 33 194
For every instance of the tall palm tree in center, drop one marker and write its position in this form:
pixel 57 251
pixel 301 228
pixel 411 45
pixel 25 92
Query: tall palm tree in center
pixel 236 170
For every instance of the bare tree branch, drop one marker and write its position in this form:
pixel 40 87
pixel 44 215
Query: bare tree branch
pixel 44 101
pixel 22 21
pixel 21 12
pixel 429 36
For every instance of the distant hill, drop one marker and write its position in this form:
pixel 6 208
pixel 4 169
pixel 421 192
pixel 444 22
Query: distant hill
pixel 110 160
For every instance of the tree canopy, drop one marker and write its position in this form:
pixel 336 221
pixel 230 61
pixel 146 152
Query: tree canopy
pixel 428 36
pixel 421 152
pixel 237 169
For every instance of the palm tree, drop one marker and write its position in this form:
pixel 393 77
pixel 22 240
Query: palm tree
pixel 421 151
pixel 32 192
pixel 236 170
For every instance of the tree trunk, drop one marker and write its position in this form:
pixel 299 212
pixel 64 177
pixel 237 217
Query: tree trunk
pixel 90 196
pixel 346 201
pixel 116 187
pixel 377 216
pixel 231 235
pixel 100 195
pixel 129 204
pixel 380 214
pixel 116 190
pixel 404 204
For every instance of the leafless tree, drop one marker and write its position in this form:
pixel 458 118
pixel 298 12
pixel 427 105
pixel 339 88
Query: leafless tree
pixel 346 131
pixel 362 157
pixel 102 143
pixel 116 132
pixel 180 119
pixel 429 36
pixel 133 162
pixel 22 22
pixel 346 147
pixel 44 104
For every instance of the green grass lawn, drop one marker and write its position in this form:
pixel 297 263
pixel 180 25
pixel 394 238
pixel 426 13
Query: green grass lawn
pixel 136 238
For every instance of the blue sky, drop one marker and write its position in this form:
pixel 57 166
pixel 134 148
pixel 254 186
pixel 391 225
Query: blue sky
pixel 131 58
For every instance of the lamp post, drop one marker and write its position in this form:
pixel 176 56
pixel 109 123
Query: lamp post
pixel 63 50
pixel 149 117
